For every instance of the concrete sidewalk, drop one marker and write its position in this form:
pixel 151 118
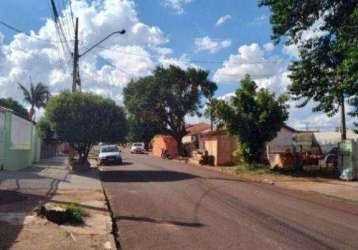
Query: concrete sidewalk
pixel 51 182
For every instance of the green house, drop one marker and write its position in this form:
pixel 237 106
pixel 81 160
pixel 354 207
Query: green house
pixel 19 143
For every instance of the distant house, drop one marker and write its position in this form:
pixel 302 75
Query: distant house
pixel 284 140
pixel 194 131
pixel 19 143
pixel 219 145
pixel 321 141
pixel 164 142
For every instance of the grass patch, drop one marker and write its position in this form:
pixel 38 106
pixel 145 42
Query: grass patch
pixel 75 213
pixel 253 168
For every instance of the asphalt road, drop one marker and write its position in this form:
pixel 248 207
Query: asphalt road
pixel 160 204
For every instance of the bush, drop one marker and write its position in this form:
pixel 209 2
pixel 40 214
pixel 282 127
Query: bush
pixel 257 168
pixel 75 213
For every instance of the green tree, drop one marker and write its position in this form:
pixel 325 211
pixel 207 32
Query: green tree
pixel 167 97
pixel 326 71
pixel 16 107
pixel 84 119
pixel 254 116
pixel 45 130
pixel 143 131
pixel 37 96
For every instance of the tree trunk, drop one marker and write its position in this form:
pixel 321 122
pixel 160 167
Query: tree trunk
pixel 343 119
pixel 180 145
pixel 31 113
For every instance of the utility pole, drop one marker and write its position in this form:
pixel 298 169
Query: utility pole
pixel 75 55
pixel 75 73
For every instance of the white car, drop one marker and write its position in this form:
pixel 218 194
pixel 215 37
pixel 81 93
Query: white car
pixel 138 147
pixel 109 154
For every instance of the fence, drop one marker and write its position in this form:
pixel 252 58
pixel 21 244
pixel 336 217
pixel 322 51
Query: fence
pixel 19 142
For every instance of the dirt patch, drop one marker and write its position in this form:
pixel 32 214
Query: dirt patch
pixel 324 185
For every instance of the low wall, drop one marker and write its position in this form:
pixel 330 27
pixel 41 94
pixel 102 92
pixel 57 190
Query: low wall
pixel 21 147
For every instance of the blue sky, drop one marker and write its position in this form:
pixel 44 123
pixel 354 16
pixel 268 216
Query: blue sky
pixel 181 32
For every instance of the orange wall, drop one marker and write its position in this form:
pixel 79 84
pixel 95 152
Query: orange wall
pixel 165 142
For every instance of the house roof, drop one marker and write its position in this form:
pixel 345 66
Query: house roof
pixel 215 131
pixel 197 128
pixel 333 137
pixel 290 128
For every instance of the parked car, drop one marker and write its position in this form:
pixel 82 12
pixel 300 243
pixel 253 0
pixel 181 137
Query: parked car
pixel 138 148
pixel 109 154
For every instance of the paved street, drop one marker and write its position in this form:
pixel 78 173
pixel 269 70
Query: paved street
pixel 159 204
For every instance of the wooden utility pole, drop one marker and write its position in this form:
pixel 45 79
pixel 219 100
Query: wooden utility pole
pixel 75 73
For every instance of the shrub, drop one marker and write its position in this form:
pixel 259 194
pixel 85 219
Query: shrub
pixel 75 213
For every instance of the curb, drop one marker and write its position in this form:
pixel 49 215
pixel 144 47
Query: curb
pixel 115 231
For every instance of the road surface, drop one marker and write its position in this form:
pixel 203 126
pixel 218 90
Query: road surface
pixel 161 204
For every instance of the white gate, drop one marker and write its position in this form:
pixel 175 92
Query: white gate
pixel 2 139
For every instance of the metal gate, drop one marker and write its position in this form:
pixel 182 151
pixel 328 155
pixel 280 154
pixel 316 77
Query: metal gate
pixel 2 139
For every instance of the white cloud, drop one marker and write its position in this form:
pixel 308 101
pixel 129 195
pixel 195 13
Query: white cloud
pixel 269 46
pixel 106 70
pixel 273 77
pixel 315 31
pixel 222 20
pixel 177 5
pixel 208 44
pixel 269 72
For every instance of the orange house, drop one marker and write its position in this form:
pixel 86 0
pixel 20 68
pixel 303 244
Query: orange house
pixel 165 142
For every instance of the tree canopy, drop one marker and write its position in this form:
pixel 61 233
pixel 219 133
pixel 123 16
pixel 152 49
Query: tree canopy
pixel 326 71
pixel 37 96
pixel 85 119
pixel 254 116
pixel 167 97
pixel 16 107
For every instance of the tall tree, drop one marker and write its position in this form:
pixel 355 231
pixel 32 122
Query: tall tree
pixel 37 96
pixel 84 119
pixel 16 107
pixel 254 116
pixel 168 96
pixel 326 71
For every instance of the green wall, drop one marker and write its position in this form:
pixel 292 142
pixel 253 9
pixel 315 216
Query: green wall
pixel 15 159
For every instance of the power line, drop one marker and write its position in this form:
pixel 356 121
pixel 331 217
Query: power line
pixel 18 31
pixel 11 27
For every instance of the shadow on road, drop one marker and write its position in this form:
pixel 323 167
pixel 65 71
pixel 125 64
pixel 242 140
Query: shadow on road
pixel 144 176
pixel 151 220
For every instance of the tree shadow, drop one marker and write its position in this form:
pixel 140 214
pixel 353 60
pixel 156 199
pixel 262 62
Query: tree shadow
pixel 14 206
pixel 156 221
pixel 21 192
pixel 144 176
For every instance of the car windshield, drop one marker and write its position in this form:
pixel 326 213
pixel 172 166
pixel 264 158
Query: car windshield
pixel 109 149
pixel 138 144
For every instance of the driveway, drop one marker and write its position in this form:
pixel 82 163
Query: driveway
pixel 160 204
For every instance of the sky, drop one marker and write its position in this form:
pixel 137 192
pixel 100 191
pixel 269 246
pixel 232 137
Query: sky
pixel 230 38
